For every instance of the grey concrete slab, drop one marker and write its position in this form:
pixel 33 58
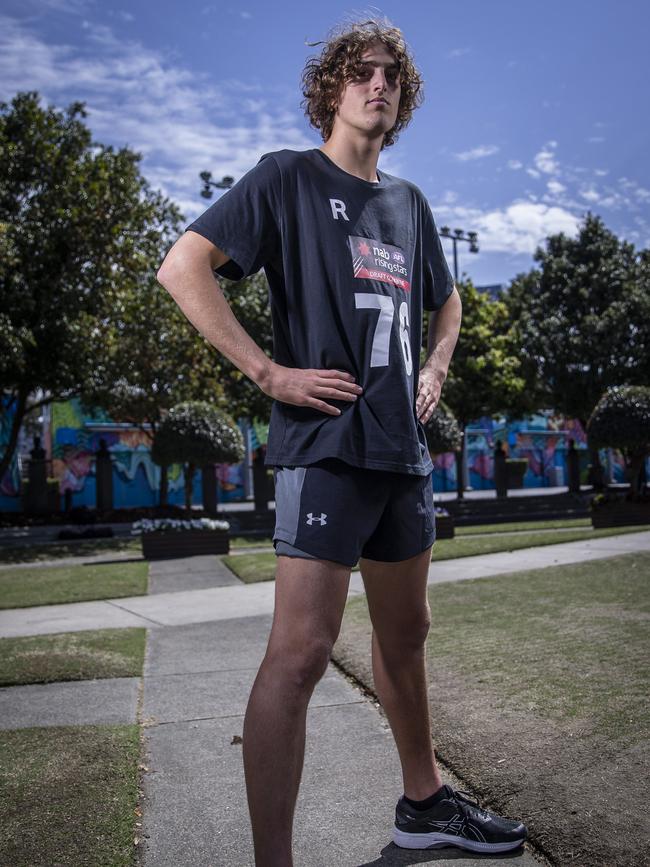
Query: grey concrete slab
pixel 196 813
pixel 207 670
pixel 217 645
pixel 83 702
pixel 190 573
pixel 70 617
pixel 177 697
pixel 200 606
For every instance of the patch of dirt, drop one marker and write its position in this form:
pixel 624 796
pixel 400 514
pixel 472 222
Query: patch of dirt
pixel 583 797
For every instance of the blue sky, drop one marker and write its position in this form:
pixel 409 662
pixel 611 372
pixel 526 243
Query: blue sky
pixel 534 112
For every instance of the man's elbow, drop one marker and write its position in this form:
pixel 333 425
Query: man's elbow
pixel 164 273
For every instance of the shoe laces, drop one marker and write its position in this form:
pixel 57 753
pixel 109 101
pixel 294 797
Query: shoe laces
pixel 465 797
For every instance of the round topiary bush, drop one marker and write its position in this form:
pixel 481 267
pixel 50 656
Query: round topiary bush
pixel 621 420
pixel 443 432
pixel 196 434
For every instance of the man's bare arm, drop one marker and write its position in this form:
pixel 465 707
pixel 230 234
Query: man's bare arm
pixel 187 274
pixel 444 327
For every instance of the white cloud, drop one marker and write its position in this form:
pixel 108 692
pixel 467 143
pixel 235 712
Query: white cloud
pixel 517 228
pixel 555 187
pixel 590 195
pixel 73 7
pixel 545 159
pixel 477 153
pixel 458 52
pixel 515 164
pixel 181 123
pixel 533 173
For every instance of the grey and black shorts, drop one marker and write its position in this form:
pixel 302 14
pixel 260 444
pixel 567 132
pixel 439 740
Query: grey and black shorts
pixel 332 510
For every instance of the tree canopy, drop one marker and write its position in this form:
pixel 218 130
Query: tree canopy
pixel 485 372
pixel 583 317
pixel 77 221
pixel 442 432
pixel 196 434
pixel 621 420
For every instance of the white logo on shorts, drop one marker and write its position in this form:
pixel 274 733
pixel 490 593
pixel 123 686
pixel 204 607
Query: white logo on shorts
pixel 310 518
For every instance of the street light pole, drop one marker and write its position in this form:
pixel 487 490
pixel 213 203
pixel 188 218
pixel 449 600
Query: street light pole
pixel 472 240
pixel 225 183
pixel 460 235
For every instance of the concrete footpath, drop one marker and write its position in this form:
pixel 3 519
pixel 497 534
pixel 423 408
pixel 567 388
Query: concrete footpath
pixel 204 647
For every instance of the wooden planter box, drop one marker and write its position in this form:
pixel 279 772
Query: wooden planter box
pixel 167 544
pixel 444 527
pixel 620 515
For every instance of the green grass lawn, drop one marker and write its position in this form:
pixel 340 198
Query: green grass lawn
pixel 261 567
pixel 475 529
pixel 82 655
pixel 518 526
pixel 68 796
pixel 538 686
pixel 55 550
pixel 48 585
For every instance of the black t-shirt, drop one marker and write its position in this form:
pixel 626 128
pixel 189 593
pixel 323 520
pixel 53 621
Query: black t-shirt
pixel 350 265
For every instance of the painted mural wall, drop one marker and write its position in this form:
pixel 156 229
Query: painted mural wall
pixel 72 438
pixel 542 440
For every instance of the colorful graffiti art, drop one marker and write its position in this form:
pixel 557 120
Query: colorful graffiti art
pixel 10 481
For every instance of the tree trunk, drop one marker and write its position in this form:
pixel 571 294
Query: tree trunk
pixel 189 478
pixel 597 472
pixel 164 485
pixel 10 448
pixel 460 480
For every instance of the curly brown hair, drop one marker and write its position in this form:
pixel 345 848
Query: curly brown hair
pixel 325 76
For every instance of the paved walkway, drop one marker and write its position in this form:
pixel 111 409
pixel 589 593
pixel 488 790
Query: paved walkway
pixel 202 589
pixel 207 636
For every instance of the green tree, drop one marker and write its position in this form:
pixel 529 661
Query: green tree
pixel 196 434
pixel 485 373
pixel 621 420
pixel 583 318
pixel 442 432
pixel 249 300
pixel 74 217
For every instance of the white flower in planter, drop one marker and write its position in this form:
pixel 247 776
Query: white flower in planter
pixel 156 525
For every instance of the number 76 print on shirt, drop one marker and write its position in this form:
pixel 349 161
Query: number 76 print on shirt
pixel 372 260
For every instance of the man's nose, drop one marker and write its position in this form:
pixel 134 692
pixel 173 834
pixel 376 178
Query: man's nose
pixel 379 80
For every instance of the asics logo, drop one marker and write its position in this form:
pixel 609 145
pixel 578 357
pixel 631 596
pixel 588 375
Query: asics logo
pixel 310 518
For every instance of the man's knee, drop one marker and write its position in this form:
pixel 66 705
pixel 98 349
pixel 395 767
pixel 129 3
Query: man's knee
pixel 300 663
pixel 404 635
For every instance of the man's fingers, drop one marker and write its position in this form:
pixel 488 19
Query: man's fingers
pixel 345 385
pixel 337 393
pixel 324 407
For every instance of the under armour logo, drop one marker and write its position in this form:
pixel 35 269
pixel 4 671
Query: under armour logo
pixel 311 519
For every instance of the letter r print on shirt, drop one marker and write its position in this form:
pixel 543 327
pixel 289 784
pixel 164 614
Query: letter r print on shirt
pixel 338 207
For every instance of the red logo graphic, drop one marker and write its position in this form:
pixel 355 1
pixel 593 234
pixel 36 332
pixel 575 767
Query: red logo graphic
pixel 373 260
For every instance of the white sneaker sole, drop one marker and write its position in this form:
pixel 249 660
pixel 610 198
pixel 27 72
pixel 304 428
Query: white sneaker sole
pixel 436 840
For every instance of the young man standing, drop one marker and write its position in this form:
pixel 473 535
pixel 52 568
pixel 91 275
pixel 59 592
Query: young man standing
pixel 352 256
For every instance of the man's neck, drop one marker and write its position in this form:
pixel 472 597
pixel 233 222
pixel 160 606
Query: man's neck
pixel 357 156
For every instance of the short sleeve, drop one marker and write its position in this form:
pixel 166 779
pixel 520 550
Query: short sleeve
pixel 438 284
pixel 244 221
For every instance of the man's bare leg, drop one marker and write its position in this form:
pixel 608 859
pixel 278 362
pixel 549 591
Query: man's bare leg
pixel 400 614
pixel 310 597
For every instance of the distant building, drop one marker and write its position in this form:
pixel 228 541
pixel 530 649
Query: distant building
pixel 494 290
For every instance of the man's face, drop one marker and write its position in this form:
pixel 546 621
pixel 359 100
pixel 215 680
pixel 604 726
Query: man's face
pixel 370 100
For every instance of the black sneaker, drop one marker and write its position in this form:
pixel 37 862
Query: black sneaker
pixel 455 820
